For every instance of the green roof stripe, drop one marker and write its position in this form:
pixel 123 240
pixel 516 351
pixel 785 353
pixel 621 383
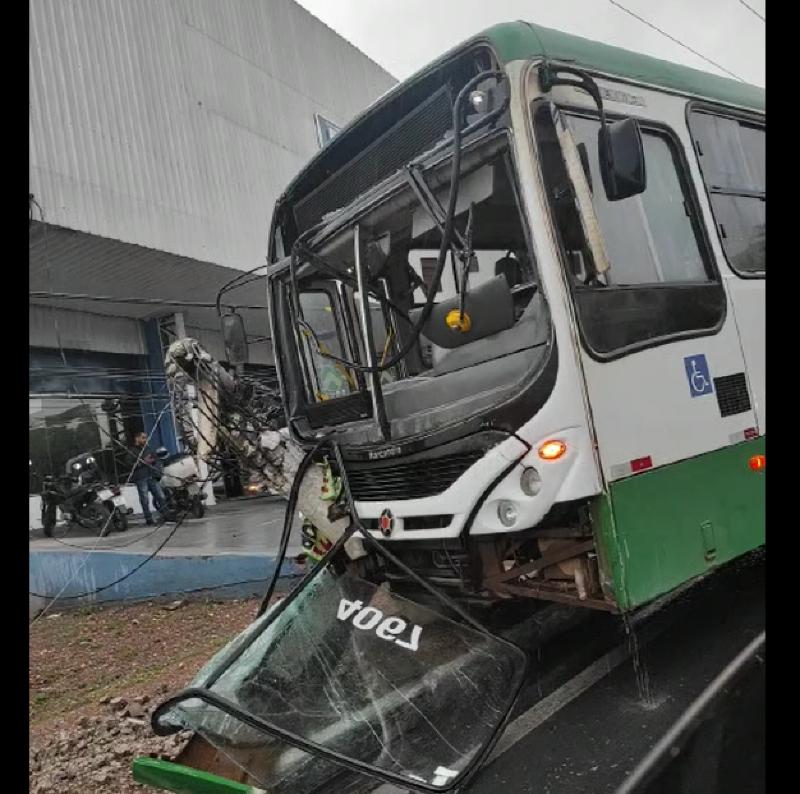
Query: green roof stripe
pixel 514 41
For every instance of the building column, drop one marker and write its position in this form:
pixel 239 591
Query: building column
pixel 158 394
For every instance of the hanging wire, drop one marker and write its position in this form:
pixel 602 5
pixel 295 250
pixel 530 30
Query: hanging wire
pixel 752 10
pixel 94 547
pixel 677 41
pixel 130 300
pixel 174 397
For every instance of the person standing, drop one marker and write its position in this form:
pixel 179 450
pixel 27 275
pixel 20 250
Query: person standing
pixel 144 476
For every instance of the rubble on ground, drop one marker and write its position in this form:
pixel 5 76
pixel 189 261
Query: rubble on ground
pixel 97 752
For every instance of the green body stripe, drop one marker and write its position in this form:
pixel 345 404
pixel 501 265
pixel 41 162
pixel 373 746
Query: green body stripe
pixel 658 529
pixel 168 776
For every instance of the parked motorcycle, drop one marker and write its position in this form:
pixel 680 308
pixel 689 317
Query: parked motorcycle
pixel 85 469
pixel 180 481
pixel 111 496
pixel 82 500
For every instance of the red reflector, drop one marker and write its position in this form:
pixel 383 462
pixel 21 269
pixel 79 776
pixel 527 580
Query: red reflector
pixel 640 464
pixel 758 462
pixel 750 433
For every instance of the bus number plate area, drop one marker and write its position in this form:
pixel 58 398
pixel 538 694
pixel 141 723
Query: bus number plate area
pixel 386 628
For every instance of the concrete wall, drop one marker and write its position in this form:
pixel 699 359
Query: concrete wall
pixel 175 124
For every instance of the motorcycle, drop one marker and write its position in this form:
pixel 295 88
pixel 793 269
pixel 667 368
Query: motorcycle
pixel 180 481
pixel 82 500
pixel 111 496
pixel 85 468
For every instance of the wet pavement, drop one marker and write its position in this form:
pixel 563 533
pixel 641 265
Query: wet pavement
pixel 242 526
pixel 567 739
pixel 593 742
pixel 229 553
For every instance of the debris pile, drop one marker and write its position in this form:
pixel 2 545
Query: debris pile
pixel 96 754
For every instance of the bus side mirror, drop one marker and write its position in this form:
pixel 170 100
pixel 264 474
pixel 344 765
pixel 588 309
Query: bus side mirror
pixel 621 156
pixel 235 338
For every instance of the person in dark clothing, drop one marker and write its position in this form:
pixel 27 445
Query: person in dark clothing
pixel 143 476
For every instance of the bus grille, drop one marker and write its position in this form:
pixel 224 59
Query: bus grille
pixel 412 480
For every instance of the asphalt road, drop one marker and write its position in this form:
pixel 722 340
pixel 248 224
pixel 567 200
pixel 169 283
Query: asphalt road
pixel 586 717
pixel 595 740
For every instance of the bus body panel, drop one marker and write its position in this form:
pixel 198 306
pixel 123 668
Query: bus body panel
pixel 643 403
pixel 698 503
pixel 748 300
pixel 669 525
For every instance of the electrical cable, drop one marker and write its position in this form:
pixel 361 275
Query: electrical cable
pixel 116 545
pixel 213 448
pixel 95 591
pixel 752 10
pixel 102 532
pixel 83 562
pixel 128 574
pixel 228 285
pixel 133 301
pixel 288 520
pixel 672 38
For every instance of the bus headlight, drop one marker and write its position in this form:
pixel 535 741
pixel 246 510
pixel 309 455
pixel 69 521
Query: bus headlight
pixel 507 513
pixel 530 482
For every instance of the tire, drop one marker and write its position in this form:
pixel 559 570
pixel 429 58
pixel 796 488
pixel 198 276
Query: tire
pixel 97 517
pixel 120 521
pixel 48 520
pixel 198 508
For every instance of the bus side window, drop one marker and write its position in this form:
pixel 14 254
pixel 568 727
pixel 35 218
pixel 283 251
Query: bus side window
pixel 650 238
pixel 732 157
pixel 660 282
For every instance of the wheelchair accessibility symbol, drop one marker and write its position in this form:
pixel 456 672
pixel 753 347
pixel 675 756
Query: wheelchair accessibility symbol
pixel 698 376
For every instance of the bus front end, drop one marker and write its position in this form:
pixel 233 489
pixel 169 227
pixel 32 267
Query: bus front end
pixel 414 325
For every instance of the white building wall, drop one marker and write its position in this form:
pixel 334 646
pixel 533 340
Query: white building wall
pixel 176 124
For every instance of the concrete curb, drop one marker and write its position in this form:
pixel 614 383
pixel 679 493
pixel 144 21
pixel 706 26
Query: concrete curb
pixel 219 575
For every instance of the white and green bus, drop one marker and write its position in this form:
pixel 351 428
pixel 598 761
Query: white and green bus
pixel 560 392
pixel 522 298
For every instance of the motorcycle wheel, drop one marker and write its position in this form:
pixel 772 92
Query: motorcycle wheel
pixel 198 508
pixel 120 520
pixel 97 517
pixel 49 520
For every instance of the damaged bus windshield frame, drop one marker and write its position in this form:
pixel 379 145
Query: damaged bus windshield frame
pixel 417 185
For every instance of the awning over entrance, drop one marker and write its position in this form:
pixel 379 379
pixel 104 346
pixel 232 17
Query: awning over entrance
pixel 81 272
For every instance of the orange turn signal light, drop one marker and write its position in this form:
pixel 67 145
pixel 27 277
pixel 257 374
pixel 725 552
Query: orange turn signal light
pixel 758 462
pixel 552 450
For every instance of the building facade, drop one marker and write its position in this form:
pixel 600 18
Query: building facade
pixel 161 134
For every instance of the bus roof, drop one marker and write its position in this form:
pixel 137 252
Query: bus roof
pixel 513 41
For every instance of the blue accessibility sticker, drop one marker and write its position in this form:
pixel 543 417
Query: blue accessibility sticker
pixel 698 375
